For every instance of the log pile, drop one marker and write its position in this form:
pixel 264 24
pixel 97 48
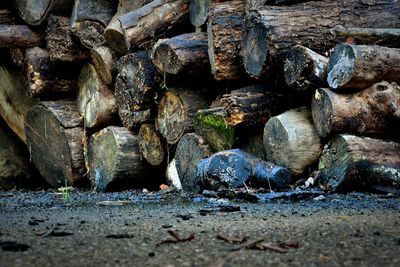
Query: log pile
pixel 203 94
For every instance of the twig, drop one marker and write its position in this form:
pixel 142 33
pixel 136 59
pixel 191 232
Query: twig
pixel 177 239
pixel 247 245
pixel 231 240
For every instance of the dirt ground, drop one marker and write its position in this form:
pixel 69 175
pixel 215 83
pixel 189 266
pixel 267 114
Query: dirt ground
pixel 127 229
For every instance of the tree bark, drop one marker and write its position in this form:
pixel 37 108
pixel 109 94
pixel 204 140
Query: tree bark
pixel 190 150
pixel 60 42
pixel 90 18
pixel 96 101
pixel 12 36
pixel 136 86
pixel 35 12
pixel 224 35
pixel 270 32
pixel 184 55
pixel 350 163
pixel 105 60
pixel 46 79
pixel 142 24
pixel 304 69
pixel 15 101
pixel 235 168
pixel 176 111
pixel 291 140
pixel 115 160
pixel 54 136
pixel 374 111
pixel 360 66
pixel 152 145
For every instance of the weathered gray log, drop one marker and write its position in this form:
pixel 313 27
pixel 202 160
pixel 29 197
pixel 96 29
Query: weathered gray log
pixel 190 150
pixel 351 163
pixel 152 145
pixel 142 24
pixel 46 79
pixel 360 66
pixel 374 111
pixel 61 43
pixel 115 160
pixel 184 55
pixel 291 140
pixel 12 36
pixel 136 86
pixel 90 18
pixel 224 36
pixel 235 168
pixel 54 136
pixel 14 100
pixel 269 32
pixel 105 60
pixel 198 12
pixel 96 101
pixel 35 12
pixel 176 111
pixel 304 69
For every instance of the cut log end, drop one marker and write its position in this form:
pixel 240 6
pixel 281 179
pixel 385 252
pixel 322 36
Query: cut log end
pixel 115 37
pixel 341 66
pixel 104 60
pixel 151 144
pixel 90 33
pixel 322 110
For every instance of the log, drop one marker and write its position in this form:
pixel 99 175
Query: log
pixel 224 36
pixel 172 176
pixel 96 101
pixel 12 36
pixel 14 100
pixel 189 151
pixel 305 69
pixel 7 16
pixel 140 25
pixel 360 66
pixel 136 86
pixel 47 80
pixel 176 111
pixel 61 43
pixel 291 140
pixel 270 32
pixel 90 18
pixel 152 145
pixel 198 12
pixel 252 143
pixel 54 136
pixel 35 12
pixel 105 60
pixel 235 168
pixel 251 4
pixel 184 55
pixel 352 163
pixel 18 57
pixel 374 111
pixel 115 160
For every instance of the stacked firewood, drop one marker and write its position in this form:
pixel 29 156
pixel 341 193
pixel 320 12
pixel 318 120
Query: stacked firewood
pixel 204 94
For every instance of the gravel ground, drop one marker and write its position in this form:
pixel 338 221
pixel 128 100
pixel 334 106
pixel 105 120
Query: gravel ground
pixel 41 229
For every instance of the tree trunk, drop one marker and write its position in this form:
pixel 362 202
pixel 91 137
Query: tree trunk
pixel 184 55
pixel 60 42
pixel 46 79
pixel 90 18
pixel 224 35
pixel 190 150
pixel 152 145
pixel 235 168
pixel 96 101
pixel 35 12
pixel 136 86
pixel 304 69
pixel 270 32
pixel 176 111
pixel 105 61
pixel 360 66
pixel 54 136
pixel 14 100
pixel 350 163
pixel 291 140
pixel 12 36
pixel 144 23
pixel 374 111
pixel 115 160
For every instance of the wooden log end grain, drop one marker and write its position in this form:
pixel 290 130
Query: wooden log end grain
pixel 152 145
pixel 105 61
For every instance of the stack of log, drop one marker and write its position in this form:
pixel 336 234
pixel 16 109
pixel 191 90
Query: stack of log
pixel 204 94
